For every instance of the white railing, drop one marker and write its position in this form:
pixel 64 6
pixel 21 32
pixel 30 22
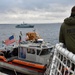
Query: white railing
pixel 63 62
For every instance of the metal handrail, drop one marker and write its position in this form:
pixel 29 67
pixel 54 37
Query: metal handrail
pixel 63 62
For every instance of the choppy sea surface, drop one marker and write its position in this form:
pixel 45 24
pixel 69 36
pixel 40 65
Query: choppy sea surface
pixel 49 32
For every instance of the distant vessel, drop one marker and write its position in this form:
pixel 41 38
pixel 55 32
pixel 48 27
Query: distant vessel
pixel 24 25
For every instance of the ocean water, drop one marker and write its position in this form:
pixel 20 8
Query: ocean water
pixel 49 32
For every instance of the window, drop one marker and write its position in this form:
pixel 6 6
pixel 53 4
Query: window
pixel 31 51
pixel 38 51
pixel 22 52
pixel 45 51
pixel 28 51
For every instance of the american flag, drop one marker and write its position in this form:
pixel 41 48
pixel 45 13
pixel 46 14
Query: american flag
pixel 10 40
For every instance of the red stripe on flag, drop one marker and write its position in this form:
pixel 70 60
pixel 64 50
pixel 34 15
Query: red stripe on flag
pixel 7 42
pixel 10 40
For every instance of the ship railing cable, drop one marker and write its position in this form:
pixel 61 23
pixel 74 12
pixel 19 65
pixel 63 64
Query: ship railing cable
pixel 63 62
pixel 48 67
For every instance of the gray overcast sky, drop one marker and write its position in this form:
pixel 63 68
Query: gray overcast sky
pixel 35 11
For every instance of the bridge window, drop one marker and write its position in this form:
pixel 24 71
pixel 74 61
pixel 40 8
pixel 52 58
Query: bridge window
pixel 45 51
pixel 31 51
pixel 38 51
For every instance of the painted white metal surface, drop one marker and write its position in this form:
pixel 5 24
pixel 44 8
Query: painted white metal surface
pixel 63 62
pixel 2 73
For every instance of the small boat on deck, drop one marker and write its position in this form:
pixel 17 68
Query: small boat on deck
pixel 28 57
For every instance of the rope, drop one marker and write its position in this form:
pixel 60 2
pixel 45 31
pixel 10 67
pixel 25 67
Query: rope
pixel 15 72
